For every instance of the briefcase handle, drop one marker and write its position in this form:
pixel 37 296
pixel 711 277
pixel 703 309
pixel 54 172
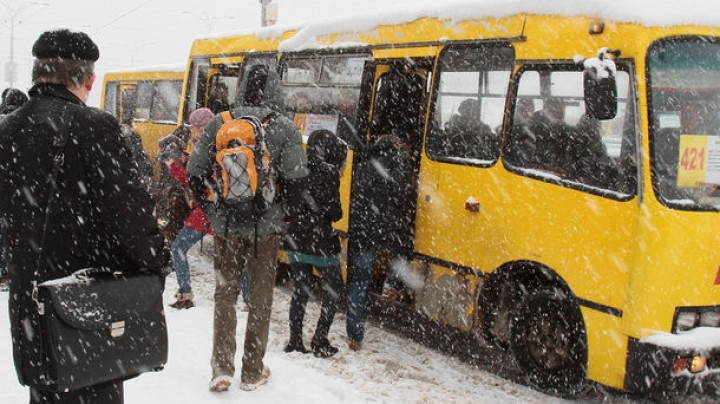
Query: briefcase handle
pixel 87 274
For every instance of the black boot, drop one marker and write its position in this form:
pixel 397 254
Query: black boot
pixel 296 345
pixel 321 348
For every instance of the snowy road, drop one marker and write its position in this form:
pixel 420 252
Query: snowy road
pixel 389 369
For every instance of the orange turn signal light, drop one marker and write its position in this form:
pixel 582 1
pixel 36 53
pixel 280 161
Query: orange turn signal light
pixel 597 28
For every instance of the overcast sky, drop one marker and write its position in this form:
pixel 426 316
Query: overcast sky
pixel 136 33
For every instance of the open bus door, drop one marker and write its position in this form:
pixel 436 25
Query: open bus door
pixel 392 102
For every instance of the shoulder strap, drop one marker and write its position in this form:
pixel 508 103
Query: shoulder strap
pixel 269 118
pixel 226 116
pixel 60 140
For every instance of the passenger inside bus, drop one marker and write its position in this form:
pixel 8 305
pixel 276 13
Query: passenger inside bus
pixel 549 129
pixel 585 157
pixel 519 148
pixel 218 98
pixel 299 103
pixel 346 109
pixel 468 136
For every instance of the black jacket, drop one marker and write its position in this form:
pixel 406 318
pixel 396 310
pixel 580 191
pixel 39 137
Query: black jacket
pixel 316 204
pixel 101 215
pixel 381 206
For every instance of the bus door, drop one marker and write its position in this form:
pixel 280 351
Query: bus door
pixel 397 95
pixel 457 231
pixel 213 83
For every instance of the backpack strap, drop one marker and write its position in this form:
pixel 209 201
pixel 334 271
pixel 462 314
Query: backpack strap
pixel 269 118
pixel 226 116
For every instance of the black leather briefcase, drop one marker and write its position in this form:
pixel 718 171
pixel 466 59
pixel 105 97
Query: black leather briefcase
pixel 100 327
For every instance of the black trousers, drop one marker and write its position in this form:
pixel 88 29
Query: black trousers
pixel 331 279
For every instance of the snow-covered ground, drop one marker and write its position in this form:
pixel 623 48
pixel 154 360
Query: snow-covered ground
pixel 389 369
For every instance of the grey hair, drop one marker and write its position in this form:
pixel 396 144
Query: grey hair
pixel 68 72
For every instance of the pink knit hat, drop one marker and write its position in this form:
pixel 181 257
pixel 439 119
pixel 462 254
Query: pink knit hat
pixel 200 117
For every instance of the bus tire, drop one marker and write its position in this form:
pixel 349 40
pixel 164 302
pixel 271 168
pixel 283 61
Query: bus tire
pixel 549 342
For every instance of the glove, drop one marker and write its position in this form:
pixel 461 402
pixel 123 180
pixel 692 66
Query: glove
pixel 166 267
pixel 199 191
pixel 293 197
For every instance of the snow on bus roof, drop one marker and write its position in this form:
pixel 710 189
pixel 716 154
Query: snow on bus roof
pixel 644 12
pixel 177 68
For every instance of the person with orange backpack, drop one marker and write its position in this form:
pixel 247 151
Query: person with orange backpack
pixel 247 225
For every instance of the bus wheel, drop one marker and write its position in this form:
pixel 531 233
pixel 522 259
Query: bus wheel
pixel 549 343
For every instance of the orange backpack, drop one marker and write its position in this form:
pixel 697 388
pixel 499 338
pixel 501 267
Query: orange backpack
pixel 243 178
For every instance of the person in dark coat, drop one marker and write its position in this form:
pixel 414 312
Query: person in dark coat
pixel 382 189
pixel 100 216
pixel 172 206
pixel 12 99
pixel 468 136
pixel 550 131
pixel 134 143
pixel 312 242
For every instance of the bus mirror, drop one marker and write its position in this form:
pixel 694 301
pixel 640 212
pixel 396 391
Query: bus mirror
pixel 600 88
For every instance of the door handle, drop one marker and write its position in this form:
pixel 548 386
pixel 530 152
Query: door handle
pixel 472 205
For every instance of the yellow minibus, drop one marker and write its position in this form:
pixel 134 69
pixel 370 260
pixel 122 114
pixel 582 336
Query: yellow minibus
pixel 146 98
pixel 571 219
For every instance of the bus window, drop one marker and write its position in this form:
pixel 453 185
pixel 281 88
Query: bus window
pixel 398 98
pixel 129 104
pixel 197 85
pixel 143 101
pixel 219 95
pixel 552 137
pixel 165 102
pixel 111 98
pixel 685 122
pixel 322 92
pixel 470 103
pixel 254 74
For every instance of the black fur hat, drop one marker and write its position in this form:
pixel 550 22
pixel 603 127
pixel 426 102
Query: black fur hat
pixel 65 44
pixel 323 145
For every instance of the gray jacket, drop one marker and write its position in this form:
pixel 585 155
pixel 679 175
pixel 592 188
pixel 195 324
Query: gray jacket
pixel 287 156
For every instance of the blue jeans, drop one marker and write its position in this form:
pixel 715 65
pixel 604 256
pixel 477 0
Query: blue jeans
pixel 245 286
pixel 179 248
pixel 3 264
pixel 363 265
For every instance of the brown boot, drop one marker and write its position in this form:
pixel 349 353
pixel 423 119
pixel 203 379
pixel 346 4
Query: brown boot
pixel 184 301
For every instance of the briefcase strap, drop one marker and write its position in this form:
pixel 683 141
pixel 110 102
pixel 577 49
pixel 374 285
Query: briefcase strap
pixel 59 142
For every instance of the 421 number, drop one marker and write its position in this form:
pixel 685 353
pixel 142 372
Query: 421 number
pixel 693 159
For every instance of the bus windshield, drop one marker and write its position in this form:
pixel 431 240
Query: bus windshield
pixel 684 86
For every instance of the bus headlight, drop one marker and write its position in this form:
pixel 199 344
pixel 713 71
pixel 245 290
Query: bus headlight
pixel 698 364
pixel 693 364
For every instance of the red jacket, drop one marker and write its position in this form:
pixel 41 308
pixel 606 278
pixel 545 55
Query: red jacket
pixel 197 219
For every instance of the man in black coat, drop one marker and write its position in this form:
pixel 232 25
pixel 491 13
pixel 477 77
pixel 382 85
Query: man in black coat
pixel 100 215
pixel 381 207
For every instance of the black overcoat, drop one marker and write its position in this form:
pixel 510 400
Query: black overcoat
pixel 101 216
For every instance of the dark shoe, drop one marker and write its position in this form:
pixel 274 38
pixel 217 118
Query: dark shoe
pixel 396 295
pixel 184 301
pixel 354 345
pixel 296 345
pixel 322 348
